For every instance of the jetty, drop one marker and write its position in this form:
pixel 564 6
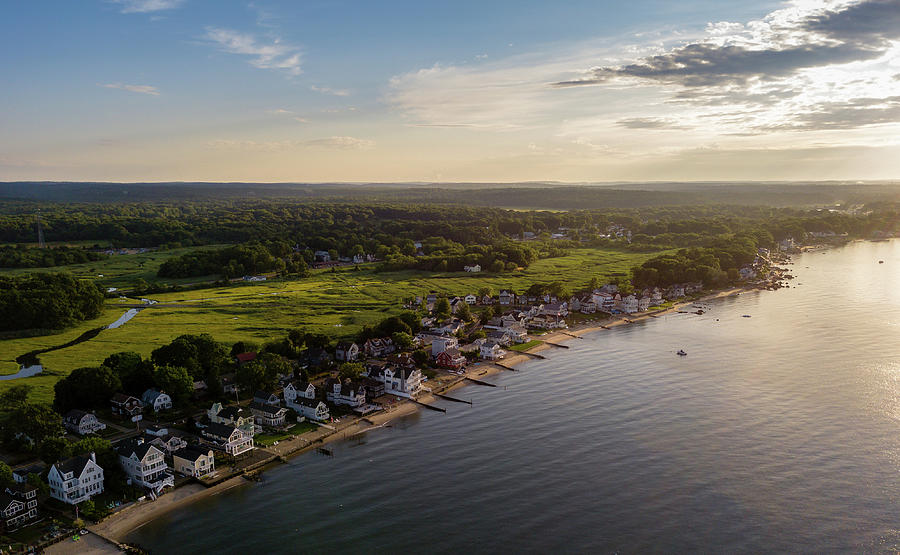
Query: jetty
pixel 427 406
pixel 449 398
pixel 479 382
pixel 505 367
pixel 571 335
pixel 532 355
pixel 561 346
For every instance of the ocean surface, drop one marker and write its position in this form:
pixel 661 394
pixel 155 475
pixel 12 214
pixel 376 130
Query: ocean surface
pixel 778 432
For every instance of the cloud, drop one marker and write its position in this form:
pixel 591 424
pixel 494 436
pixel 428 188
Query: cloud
pixel 147 6
pixel 329 90
pixel 272 54
pixel 142 89
pixel 649 123
pixel 333 143
pixel 852 114
pixel 780 45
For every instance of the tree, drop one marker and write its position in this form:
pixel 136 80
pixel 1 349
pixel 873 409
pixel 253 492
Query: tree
pixel 15 396
pixel 135 373
pixel 485 292
pixel 403 341
pixel 244 347
pixel 421 357
pixel 352 370
pixel 34 480
pixel 6 477
pixel 175 381
pixel 54 449
pixel 442 308
pixel 91 445
pixel 463 312
pixel 86 388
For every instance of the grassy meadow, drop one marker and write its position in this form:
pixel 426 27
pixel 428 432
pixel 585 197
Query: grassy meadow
pixel 335 303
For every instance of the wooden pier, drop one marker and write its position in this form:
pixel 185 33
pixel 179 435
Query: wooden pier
pixel 479 382
pixel 449 398
pixel 427 406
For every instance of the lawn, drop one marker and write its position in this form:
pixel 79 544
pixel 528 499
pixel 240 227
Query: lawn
pixel 525 346
pixel 338 304
pixel 268 439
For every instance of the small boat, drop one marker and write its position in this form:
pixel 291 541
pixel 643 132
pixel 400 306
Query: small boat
pixel 681 353
pixel 745 316
pixel 881 261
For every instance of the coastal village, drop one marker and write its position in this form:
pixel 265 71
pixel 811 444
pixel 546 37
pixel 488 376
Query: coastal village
pixel 357 386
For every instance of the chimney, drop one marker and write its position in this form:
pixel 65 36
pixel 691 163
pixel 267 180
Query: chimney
pixel 93 457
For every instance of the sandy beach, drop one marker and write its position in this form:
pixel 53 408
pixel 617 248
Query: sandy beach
pixel 118 526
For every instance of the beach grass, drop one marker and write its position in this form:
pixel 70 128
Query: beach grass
pixel 525 346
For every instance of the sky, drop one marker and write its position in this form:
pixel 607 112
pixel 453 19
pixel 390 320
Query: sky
pixel 449 91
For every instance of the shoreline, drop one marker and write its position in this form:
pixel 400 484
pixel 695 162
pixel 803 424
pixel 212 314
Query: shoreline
pixel 116 528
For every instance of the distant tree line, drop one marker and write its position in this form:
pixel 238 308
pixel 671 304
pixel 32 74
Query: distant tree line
pixel 22 256
pixel 236 261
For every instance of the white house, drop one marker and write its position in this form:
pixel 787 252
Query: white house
pixel 295 390
pixel 403 382
pixel 346 351
pixel 470 299
pixel 267 397
pixel 268 415
pixel 232 416
pixel 345 393
pixel 474 269
pixel 82 423
pixel 157 400
pixel 76 479
pixel 630 304
pixel 145 464
pixel 644 304
pixel 18 505
pixel 233 441
pixel 516 333
pixel 194 461
pixel 313 409
pixel 490 350
pixel 379 347
pixel 441 344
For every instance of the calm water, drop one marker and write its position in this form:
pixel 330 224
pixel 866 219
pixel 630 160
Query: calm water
pixel 779 432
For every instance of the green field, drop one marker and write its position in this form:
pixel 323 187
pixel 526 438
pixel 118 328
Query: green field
pixel 120 270
pixel 335 303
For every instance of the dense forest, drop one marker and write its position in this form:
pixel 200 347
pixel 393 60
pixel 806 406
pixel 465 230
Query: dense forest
pixel 21 256
pixel 47 301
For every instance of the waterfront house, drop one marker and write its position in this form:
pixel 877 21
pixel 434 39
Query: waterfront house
pixel 346 351
pixel 441 344
pixel 126 406
pixel 301 389
pixel 499 336
pixel 490 350
pixel 556 309
pixel 266 398
pixel 346 392
pixel 82 423
pixel 14 512
pixel 516 333
pixel 157 400
pixel 18 505
pixel 400 381
pixel 230 439
pixel 268 415
pixel 167 443
pixel 313 409
pixel 145 464
pixel 451 358
pixel 232 416
pixel 629 304
pixel 374 387
pixel 644 304
pixel 379 347
pixel 75 479
pixel 194 461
